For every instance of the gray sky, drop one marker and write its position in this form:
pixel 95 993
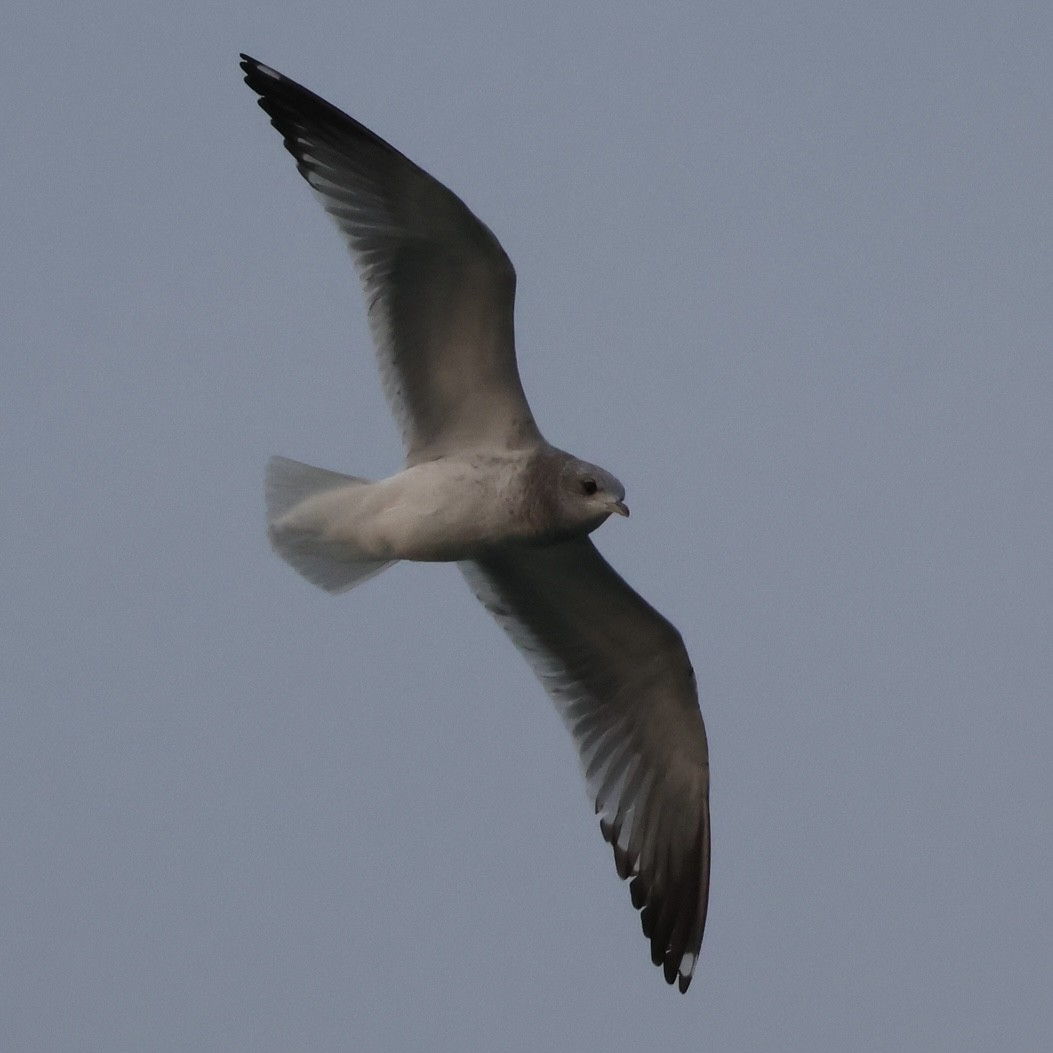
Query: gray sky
pixel 786 270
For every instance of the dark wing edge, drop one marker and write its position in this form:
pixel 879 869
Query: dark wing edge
pixel 621 679
pixel 439 287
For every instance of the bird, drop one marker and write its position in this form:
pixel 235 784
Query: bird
pixel 482 488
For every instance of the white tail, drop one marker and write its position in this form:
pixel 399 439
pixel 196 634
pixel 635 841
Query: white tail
pixel 332 565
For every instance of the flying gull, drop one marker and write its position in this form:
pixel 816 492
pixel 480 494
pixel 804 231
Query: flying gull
pixel 483 488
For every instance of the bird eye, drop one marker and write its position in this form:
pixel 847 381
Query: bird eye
pixel 588 486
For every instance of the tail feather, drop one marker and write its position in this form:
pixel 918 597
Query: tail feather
pixel 332 565
pixel 289 482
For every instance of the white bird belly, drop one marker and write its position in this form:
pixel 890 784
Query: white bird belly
pixel 450 509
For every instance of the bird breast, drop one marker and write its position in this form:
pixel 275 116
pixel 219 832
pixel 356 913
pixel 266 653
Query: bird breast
pixel 448 509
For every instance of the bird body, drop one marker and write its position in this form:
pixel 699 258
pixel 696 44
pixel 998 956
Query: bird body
pixel 453 508
pixel 483 488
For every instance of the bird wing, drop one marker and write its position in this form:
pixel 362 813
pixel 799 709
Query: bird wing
pixel 439 287
pixel 622 681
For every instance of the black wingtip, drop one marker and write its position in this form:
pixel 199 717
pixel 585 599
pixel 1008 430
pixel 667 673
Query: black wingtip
pixel 258 74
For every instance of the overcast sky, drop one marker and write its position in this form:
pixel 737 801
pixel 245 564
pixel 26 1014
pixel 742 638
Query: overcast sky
pixel 784 268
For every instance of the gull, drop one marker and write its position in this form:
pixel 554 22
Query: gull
pixel 482 488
